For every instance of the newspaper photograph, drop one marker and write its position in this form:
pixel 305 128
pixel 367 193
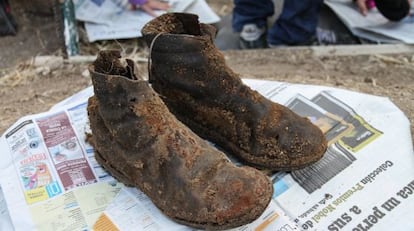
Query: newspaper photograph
pixel 51 181
pixel 361 134
pixel 331 125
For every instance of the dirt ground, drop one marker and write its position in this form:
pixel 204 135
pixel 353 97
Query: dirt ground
pixel 27 89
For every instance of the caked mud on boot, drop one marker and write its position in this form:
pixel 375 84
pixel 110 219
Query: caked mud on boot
pixel 142 144
pixel 191 75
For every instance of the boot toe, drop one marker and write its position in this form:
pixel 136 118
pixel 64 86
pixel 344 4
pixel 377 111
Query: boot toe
pixel 239 200
pixel 302 143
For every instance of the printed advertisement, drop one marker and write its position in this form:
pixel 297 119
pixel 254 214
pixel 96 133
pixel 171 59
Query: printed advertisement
pixel 32 163
pixel 64 147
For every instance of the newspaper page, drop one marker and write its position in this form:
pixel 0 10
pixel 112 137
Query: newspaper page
pixel 49 175
pixel 5 220
pixel 114 19
pixel 50 180
pixel 366 178
pixel 373 26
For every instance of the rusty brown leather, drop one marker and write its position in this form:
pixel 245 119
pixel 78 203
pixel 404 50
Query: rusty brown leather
pixel 191 75
pixel 142 144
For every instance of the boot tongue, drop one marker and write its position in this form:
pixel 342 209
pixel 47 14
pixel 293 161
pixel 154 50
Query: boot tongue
pixel 108 62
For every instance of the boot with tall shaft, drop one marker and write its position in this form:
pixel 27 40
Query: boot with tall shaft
pixel 190 74
pixel 142 144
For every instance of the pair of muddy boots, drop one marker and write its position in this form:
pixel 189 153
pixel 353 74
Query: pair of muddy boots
pixel 150 139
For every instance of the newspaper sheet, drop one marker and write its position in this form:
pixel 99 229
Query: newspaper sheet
pixel 51 181
pixel 373 26
pixel 113 19
pixel 5 221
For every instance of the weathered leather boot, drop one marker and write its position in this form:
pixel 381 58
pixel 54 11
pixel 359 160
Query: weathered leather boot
pixel 142 144
pixel 190 74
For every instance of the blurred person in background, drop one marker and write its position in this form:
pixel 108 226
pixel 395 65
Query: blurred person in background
pixel 298 20
pixel 296 24
pixel 149 6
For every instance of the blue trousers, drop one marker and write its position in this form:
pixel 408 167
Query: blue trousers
pixel 296 24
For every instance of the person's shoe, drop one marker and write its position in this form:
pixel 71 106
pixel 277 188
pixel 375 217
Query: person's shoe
pixel 393 10
pixel 190 74
pixel 142 144
pixel 253 37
